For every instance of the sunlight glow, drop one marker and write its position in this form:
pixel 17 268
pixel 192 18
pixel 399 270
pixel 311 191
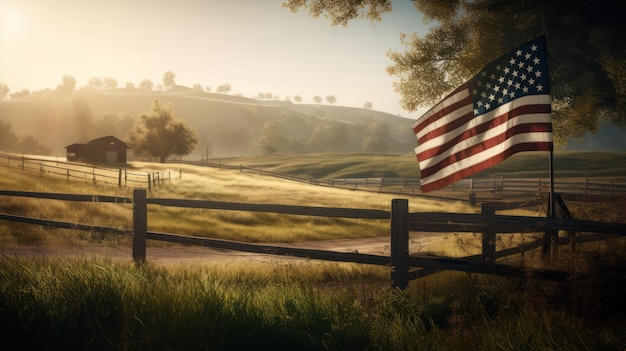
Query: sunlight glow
pixel 12 22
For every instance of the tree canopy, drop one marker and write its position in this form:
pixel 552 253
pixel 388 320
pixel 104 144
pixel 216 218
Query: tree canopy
pixel 161 135
pixel 586 51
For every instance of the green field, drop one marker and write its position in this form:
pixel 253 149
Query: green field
pixel 523 165
pixel 97 303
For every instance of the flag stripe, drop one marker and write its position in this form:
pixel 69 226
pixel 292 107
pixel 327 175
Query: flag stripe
pixel 440 182
pixel 529 105
pixel 500 118
pixel 458 100
pixel 484 146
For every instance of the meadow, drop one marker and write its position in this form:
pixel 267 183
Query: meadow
pixel 98 303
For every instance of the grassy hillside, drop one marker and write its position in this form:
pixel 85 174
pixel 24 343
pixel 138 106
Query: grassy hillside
pixel 531 165
pixel 227 125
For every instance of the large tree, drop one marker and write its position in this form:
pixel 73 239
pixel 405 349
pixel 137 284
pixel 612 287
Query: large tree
pixel 161 135
pixel 586 51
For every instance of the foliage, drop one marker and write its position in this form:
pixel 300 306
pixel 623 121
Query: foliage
pixel 223 89
pixel 168 79
pixel 585 48
pixel 98 304
pixel 160 134
pixel 269 138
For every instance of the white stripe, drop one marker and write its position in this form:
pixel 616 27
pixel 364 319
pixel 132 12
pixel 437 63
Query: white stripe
pixel 477 139
pixel 478 120
pixel 534 137
pixel 447 118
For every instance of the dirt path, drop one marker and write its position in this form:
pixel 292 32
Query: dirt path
pixel 195 254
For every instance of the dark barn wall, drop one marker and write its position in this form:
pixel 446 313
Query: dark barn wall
pixel 107 149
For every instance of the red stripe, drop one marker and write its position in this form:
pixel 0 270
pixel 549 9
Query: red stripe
pixel 440 183
pixel 487 144
pixel 479 129
pixel 446 110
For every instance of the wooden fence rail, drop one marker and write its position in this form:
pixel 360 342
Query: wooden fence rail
pixel 401 223
pixel 411 185
pixel 92 173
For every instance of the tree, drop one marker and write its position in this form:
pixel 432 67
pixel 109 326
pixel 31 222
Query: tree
pixel 585 48
pixel 297 98
pixel 198 88
pixel 20 94
pixel 146 84
pixel 269 138
pixel 4 91
pixel 110 83
pixel 8 139
pixel 168 79
pixel 83 119
pixel 30 145
pixel 368 105
pixel 161 135
pixel 331 99
pixel 223 89
pixel 67 86
pixel 317 99
pixel 95 83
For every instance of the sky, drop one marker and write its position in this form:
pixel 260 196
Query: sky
pixel 255 46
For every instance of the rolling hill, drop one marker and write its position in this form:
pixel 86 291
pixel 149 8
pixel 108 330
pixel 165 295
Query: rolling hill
pixel 227 125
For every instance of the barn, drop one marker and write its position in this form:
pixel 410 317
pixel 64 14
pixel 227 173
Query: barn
pixel 108 149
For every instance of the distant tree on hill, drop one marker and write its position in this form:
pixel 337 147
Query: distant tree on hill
pixel 110 83
pixel 317 99
pixel 146 84
pixel 117 125
pixel 223 89
pixel 331 99
pixel 30 145
pixel 162 135
pixel 83 119
pixel 4 91
pixel 130 85
pixel 329 136
pixel 297 98
pixel 8 139
pixel 367 105
pixel 261 96
pixel 198 88
pixel 168 79
pixel 95 83
pixel 207 89
pixel 20 94
pixel 269 138
pixel 67 86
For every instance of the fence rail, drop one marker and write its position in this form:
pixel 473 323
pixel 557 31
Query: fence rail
pixel 411 185
pixel 401 223
pixel 91 173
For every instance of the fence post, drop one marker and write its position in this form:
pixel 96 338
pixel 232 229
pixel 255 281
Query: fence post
pixel 400 243
pixel 140 225
pixel 119 178
pixel 149 183
pixel 489 234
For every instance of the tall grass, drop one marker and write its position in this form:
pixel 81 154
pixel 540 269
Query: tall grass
pixel 96 304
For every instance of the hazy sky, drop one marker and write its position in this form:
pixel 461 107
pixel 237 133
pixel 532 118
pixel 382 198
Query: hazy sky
pixel 255 46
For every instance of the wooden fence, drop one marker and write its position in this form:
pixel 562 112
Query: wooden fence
pixel 411 186
pixel 401 223
pixel 91 173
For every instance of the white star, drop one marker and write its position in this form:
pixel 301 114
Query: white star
pixel 523 77
pixel 515 73
pixel 507 70
pixel 517 85
pixel 505 91
pixel 518 53
pixel 525 90
pixel 537 60
pixel 509 82
pixel 539 87
pixel 534 47
pixel 501 80
pixel 531 81
pixel 520 65
pixel 491 97
pixel 527 56
pixel 487 106
pixel 500 101
pixel 512 94
pixel 529 69
pixel 512 61
pixel 538 74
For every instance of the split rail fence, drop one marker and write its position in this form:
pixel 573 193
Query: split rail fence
pixel 411 186
pixel 91 173
pixel 401 223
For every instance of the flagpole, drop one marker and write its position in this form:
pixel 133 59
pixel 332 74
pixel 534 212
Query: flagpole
pixel 551 203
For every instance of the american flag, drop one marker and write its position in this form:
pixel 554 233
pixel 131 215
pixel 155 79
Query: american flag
pixel 503 110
